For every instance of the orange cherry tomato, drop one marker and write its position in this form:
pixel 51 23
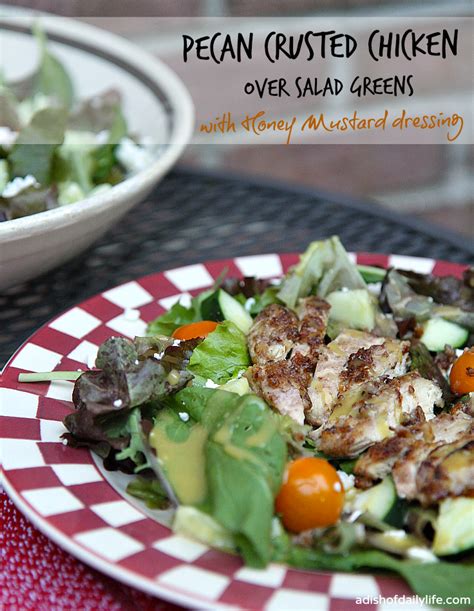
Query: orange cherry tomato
pixel 312 495
pixel 461 377
pixel 195 329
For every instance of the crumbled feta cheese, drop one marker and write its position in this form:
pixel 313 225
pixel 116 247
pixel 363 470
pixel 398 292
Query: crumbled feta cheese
pixel 249 303
pixel 176 342
pixel 421 553
pixel 158 355
pixel 347 480
pixel 132 156
pixel 32 105
pixel 355 515
pixel 118 403
pixel 184 416
pixel 102 137
pixel 210 384
pixel 19 184
pixel 374 288
pixel 132 315
pixel 7 137
pixel 396 534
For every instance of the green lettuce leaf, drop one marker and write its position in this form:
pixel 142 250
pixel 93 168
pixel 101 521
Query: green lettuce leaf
pixel 179 315
pixel 222 355
pixel 245 456
pixel 323 268
pixel 442 579
pixel 50 78
pixel 36 144
pixel 8 110
pixel 149 491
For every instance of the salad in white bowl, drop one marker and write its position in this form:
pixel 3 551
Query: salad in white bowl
pixel 57 149
pixel 84 136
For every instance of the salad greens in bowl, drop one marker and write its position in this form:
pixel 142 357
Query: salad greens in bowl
pixel 56 149
pixel 88 125
pixel 324 420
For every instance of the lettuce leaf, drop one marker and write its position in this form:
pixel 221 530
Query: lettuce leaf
pixel 245 456
pixel 222 355
pixel 112 402
pixel 36 144
pixel 50 79
pixel 178 316
pixel 399 297
pixel 323 268
pixel 149 491
pixel 442 579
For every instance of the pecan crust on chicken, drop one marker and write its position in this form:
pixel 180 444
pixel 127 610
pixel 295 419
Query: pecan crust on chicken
pixel 353 358
pixel 429 460
pixel 373 412
pixel 284 349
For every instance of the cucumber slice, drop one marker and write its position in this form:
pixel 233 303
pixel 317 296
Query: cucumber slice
pixel 3 174
pixel 372 274
pixel 455 526
pixel 238 385
pixel 234 311
pixel 438 332
pixel 190 522
pixel 210 309
pixel 393 541
pixel 354 308
pixel 378 500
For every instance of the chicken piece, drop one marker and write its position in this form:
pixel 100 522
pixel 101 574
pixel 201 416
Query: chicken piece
pixel 388 359
pixel 281 375
pixel 273 334
pixel 372 412
pixel 447 471
pixel 283 385
pixel 313 314
pixel 353 357
pixel 405 449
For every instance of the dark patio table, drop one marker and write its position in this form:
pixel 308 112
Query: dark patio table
pixel 191 217
pixel 195 216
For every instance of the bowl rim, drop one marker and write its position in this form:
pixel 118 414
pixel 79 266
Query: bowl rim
pixel 90 37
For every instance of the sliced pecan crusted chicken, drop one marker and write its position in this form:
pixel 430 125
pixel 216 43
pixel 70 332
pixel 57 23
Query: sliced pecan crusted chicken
pixel 429 460
pixel 284 349
pixel 352 359
pixel 373 411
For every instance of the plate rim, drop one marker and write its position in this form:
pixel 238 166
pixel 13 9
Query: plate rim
pixel 116 571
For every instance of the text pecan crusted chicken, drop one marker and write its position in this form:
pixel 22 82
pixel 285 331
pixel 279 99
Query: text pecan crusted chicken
pixel 284 349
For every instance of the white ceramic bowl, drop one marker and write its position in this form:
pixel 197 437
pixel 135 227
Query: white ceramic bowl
pixel 154 101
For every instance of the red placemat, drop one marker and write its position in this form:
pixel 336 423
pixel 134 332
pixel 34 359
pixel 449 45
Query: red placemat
pixel 37 574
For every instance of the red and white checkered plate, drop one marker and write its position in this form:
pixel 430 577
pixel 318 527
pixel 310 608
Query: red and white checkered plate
pixel 64 493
